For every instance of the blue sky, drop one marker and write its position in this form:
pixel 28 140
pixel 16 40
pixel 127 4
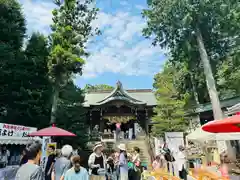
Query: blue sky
pixel 120 53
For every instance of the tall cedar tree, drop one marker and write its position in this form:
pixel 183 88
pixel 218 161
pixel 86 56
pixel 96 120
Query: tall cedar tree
pixel 39 87
pixel 71 28
pixel 170 106
pixel 12 33
pixel 193 28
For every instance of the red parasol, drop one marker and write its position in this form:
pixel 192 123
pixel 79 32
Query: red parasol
pixel 227 125
pixel 52 131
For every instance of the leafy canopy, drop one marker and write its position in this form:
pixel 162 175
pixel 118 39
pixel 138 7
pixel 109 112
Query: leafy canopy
pixel 71 29
pixel 97 87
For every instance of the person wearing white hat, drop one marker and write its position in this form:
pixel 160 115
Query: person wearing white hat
pixel 97 163
pixel 123 162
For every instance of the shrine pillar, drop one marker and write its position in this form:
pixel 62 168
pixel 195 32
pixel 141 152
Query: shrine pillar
pixel 146 121
pixel 101 123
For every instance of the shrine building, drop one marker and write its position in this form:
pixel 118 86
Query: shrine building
pixel 132 108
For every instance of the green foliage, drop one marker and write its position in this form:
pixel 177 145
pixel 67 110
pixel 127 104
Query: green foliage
pixel 12 32
pixel 71 115
pixel 170 105
pixel 12 24
pixel 177 25
pixel 98 87
pixel 71 29
pixel 229 77
pixel 28 102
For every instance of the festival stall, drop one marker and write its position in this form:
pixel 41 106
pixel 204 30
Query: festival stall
pixel 47 133
pixel 15 134
pixel 202 149
pixel 229 125
pixel 13 137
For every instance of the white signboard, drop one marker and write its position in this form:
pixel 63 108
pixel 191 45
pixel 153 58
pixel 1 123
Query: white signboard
pixel 174 140
pixel 11 130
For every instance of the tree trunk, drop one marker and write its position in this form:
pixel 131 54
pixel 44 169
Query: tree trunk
pixel 54 106
pixel 212 90
pixel 195 93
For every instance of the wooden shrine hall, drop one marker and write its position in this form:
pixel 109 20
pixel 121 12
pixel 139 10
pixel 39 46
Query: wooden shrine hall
pixel 132 108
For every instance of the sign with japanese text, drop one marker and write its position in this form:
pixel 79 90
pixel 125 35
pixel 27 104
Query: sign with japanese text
pixel 45 141
pixel 11 130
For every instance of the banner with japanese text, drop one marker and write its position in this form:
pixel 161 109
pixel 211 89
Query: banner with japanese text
pixel 11 130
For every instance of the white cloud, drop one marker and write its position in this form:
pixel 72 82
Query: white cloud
pixel 121 47
pixel 124 3
pixel 38 15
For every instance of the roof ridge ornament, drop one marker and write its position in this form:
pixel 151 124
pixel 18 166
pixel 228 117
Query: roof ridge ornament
pixel 119 84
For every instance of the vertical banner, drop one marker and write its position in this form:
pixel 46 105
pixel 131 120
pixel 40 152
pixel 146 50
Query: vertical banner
pixel 158 142
pixel 45 141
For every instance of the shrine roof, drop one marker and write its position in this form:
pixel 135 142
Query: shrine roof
pixel 134 96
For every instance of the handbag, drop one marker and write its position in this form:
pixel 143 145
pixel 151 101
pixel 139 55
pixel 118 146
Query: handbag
pixel 101 172
pixel 169 157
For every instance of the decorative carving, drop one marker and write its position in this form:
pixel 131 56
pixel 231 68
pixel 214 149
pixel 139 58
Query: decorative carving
pixel 119 119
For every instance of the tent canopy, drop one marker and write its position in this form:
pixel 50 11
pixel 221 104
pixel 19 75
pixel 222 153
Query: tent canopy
pixel 201 136
pixel 16 140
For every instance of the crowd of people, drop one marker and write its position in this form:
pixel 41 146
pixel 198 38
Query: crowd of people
pixel 69 164
pixel 170 161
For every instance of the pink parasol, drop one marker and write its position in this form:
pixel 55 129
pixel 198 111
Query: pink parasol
pixel 52 131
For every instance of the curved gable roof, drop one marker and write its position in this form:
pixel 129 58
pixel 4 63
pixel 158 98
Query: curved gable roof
pixel 138 97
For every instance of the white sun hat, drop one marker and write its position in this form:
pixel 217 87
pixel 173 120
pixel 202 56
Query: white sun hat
pixel 66 150
pixel 97 145
pixel 122 147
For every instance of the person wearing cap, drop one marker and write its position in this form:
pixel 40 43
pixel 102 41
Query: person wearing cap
pixel 97 163
pixel 63 163
pixel 123 162
pixel 77 172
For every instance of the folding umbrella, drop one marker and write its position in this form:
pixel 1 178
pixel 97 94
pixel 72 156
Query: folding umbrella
pixel 52 131
pixel 227 125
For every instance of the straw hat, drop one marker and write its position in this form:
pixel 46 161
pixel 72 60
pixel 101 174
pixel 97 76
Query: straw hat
pixel 122 147
pixel 97 145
